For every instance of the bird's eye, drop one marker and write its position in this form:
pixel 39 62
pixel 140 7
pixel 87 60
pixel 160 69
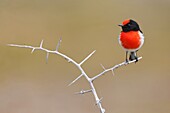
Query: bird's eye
pixel 129 24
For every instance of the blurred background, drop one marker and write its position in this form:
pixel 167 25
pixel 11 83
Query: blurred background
pixel 29 85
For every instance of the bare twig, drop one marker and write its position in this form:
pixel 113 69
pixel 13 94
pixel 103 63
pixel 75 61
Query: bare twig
pixel 78 65
pixel 83 91
pixel 113 68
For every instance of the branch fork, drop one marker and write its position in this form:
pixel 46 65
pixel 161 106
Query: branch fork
pixel 78 65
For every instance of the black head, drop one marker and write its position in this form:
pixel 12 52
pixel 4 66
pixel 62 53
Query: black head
pixel 130 25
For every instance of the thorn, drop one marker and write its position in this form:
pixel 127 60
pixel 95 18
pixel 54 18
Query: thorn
pixel 32 50
pixel 113 73
pixel 103 67
pixel 99 101
pixel 41 44
pixel 47 57
pixel 80 92
pixel 58 44
pixel 84 91
pixel 75 80
pixel 87 57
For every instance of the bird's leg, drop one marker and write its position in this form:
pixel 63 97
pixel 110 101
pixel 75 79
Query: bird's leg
pixel 126 57
pixel 136 57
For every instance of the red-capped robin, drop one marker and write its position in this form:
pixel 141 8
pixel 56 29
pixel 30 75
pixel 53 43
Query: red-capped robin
pixel 131 38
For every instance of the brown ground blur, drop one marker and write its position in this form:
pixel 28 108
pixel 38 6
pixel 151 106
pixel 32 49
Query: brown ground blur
pixel 29 85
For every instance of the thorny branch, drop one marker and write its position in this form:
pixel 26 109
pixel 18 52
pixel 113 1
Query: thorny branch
pixel 78 65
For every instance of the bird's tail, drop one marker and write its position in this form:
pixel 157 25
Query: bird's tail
pixel 133 56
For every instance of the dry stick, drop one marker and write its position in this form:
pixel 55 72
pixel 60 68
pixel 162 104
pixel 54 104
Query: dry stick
pixel 78 65
pixel 113 68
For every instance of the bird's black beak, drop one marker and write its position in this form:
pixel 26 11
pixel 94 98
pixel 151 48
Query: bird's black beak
pixel 120 25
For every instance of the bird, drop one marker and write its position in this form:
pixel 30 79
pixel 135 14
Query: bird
pixel 131 39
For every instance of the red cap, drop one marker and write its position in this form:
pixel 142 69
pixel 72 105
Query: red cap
pixel 126 21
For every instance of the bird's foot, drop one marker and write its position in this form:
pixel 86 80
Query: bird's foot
pixel 136 58
pixel 127 61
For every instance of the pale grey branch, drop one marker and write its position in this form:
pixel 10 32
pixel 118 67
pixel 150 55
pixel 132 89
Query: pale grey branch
pixel 113 68
pixel 78 65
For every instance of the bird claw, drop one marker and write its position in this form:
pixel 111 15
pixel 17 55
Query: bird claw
pixel 126 61
pixel 136 59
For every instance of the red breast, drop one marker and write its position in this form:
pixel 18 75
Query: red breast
pixel 130 40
